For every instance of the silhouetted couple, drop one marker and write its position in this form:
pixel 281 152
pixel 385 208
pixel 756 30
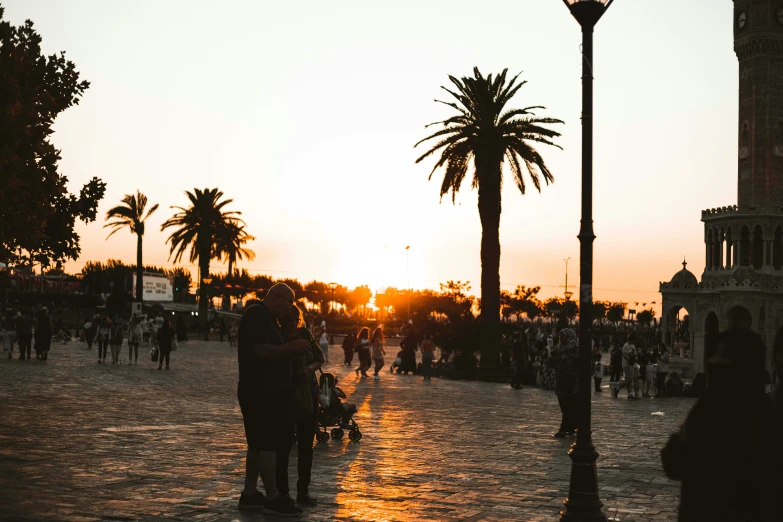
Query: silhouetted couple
pixel 727 453
pixel 267 398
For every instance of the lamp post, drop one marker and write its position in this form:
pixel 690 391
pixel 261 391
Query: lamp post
pixel 408 282
pixel 583 502
pixel 332 286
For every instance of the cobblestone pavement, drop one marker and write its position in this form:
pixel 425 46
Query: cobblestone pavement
pixel 82 441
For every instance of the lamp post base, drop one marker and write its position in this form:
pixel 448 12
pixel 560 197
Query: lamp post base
pixel 583 502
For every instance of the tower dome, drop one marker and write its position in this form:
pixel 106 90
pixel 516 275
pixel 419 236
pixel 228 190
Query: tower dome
pixel 684 278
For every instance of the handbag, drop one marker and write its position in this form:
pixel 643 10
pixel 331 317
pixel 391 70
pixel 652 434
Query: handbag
pixel 154 354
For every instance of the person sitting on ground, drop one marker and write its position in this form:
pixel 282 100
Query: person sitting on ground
pixel 674 386
pixel 720 452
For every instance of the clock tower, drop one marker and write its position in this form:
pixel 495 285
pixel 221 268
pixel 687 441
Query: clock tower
pixel 758 42
pixel 742 282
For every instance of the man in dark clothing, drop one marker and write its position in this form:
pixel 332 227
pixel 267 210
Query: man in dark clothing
pixel 24 334
pixel 615 364
pixel 348 343
pixel 266 396
pixel 519 352
pixel 43 335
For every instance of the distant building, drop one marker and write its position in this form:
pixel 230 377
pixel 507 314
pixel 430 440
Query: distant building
pixel 742 282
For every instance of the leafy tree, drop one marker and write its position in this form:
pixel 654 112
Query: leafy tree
pixel 485 134
pixel 39 214
pixel 197 228
pixel 645 317
pixel 131 215
pixel 600 308
pixel 616 312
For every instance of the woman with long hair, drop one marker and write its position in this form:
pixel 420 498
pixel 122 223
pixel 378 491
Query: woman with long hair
pixel 103 336
pixel 362 346
pixel 377 350
pixel 165 341
pixel 304 367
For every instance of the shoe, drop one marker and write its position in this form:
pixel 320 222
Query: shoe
pixel 560 435
pixel 160 367
pixel 167 367
pixel 252 501
pixel 632 398
pixel 377 377
pixel 21 357
pixel 357 372
pixel 282 506
pixel 615 392
pixel 306 500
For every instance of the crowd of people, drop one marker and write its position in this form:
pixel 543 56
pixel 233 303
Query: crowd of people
pixel 31 330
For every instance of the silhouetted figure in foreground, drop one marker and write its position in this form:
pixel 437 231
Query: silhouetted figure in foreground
pixel 719 452
pixel 565 361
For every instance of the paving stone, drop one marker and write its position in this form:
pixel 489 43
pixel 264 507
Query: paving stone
pixel 83 441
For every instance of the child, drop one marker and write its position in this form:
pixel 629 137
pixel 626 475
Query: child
pixel 598 373
pixel 336 406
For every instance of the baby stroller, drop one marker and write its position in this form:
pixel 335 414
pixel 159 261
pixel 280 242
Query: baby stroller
pixel 333 413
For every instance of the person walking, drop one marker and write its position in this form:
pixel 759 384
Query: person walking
pixel 662 370
pixel 43 335
pixel 362 346
pixel 135 336
pixel 165 338
pixel 90 328
pixel 115 340
pixel 565 361
pixel 615 365
pixel 9 332
pixel 103 336
pixel 630 370
pixel 24 334
pixel 643 360
pixel 519 353
pixel 306 385
pixel 427 356
pixel 598 371
pixel 348 346
pixel 377 350
pixel 323 343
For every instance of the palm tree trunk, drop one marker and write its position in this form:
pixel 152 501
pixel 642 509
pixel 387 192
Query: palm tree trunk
pixel 203 261
pixel 139 270
pixel 489 320
pixel 226 295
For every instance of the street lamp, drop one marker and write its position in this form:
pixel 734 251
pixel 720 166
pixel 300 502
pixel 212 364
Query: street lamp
pixel 583 502
pixel 567 294
pixel 332 286
pixel 408 282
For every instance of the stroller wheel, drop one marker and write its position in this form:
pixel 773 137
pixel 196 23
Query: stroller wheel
pixel 337 433
pixel 322 436
pixel 355 435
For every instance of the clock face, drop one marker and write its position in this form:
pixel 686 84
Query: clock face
pixel 742 19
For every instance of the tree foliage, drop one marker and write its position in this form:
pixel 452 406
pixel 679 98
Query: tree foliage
pixel 39 214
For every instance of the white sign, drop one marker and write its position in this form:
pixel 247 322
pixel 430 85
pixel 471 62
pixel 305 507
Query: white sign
pixel 156 288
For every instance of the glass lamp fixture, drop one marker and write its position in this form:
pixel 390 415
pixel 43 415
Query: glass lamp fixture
pixel 588 12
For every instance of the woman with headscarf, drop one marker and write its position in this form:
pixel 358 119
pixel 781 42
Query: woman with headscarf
pixel 720 453
pixel 565 362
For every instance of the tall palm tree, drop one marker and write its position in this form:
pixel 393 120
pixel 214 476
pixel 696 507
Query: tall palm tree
pixel 482 135
pixel 231 238
pixel 197 228
pixel 131 215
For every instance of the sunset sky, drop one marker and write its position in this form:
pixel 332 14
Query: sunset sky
pixel 305 113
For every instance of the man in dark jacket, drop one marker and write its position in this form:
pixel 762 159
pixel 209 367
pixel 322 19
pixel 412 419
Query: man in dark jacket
pixel 519 352
pixel 24 333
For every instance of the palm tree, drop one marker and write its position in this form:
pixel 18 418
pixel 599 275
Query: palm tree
pixel 485 134
pixel 131 215
pixel 197 228
pixel 231 238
